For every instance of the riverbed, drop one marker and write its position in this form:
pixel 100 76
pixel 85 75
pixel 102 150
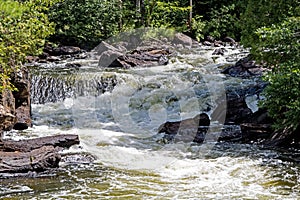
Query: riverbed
pixel 117 112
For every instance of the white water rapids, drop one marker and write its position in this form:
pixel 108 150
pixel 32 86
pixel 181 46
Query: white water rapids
pixel 119 129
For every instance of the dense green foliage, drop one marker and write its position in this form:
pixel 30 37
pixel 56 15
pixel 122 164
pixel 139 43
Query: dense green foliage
pixel 260 13
pixel 272 30
pixel 85 23
pixel 279 45
pixel 23 28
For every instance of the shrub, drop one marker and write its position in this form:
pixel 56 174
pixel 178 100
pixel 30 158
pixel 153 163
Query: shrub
pixel 23 29
pixel 279 45
pixel 85 23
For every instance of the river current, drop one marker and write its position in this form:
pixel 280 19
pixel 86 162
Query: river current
pixel 118 130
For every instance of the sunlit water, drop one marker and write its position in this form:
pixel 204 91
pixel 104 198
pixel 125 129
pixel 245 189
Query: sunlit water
pixel 118 129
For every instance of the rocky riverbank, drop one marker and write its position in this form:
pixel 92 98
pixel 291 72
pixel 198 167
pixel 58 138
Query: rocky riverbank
pixel 244 121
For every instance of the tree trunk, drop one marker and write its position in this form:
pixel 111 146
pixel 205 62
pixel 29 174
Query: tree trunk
pixel 143 12
pixel 191 15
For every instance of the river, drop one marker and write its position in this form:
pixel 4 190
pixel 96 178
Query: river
pixel 117 124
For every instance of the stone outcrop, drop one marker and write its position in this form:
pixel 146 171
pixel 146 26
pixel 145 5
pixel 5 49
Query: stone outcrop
pixel 112 57
pixel 245 68
pixel 7 111
pixel 15 106
pixel 188 130
pixel 33 155
pixel 182 39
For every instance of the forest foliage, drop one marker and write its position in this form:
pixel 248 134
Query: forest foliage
pixel 23 29
pixel 269 27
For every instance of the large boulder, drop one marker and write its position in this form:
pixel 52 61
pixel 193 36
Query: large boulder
pixel 182 39
pixel 113 57
pixel 15 106
pixel 245 68
pixel 7 111
pixel 187 130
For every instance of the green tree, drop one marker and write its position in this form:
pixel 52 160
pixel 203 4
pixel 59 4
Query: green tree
pixel 271 29
pixel 279 45
pixel 23 29
pixel 85 23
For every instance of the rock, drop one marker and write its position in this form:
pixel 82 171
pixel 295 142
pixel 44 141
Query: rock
pixel 57 141
pixel 62 50
pixel 7 111
pixel 188 130
pixel 36 160
pixel 22 99
pixel 53 58
pixel 109 58
pixel 180 38
pixel 35 155
pixel 23 117
pixel 104 47
pixel 15 106
pixel 218 43
pixel 32 59
pixel 229 39
pixel 252 132
pixel 219 51
pixel 244 68
pixel 142 57
pixel 210 39
pixel 207 43
pixel 73 65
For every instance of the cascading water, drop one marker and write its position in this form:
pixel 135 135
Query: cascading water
pixel 117 112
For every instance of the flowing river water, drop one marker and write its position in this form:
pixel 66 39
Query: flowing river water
pixel 117 112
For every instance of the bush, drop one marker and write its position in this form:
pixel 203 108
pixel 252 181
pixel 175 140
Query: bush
pixel 279 45
pixel 169 15
pixel 85 23
pixel 223 22
pixel 264 13
pixel 23 29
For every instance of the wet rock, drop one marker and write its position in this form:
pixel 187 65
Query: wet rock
pixel 188 130
pixel 252 132
pixel 142 57
pixel 218 43
pixel 53 58
pixel 219 51
pixel 22 99
pixel 23 117
pixel 15 106
pixel 245 68
pixel 112 58
pixel 180 38
pixel 207 43
pixel 73 65
pixel 62 50
pixel 210 39
pixel 229 39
